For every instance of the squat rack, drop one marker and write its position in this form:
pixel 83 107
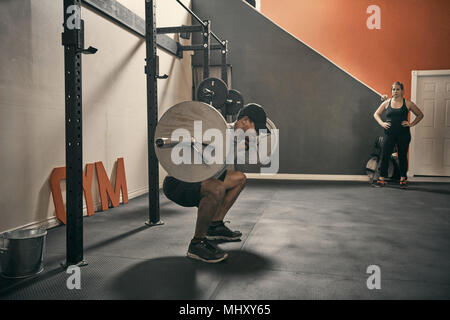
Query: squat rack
pixel 73 42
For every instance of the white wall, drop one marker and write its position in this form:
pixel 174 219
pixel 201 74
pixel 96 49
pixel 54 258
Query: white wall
pixel 114 101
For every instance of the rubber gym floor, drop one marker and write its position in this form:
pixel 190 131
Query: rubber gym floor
pixel 301 240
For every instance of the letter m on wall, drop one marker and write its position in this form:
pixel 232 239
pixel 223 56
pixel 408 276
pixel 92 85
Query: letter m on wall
pixel 105 187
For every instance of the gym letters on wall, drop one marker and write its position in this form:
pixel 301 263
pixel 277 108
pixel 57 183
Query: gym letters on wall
pixel 104 185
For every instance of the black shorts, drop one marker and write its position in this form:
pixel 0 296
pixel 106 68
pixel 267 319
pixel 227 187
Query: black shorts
pixel 186 194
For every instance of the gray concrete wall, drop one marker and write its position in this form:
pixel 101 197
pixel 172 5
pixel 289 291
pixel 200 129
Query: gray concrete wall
pixel 323 113
pixel 114 101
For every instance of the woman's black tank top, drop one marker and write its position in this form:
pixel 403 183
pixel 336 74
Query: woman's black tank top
pixel 396 116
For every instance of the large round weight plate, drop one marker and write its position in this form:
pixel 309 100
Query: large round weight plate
pixel 234 103
pixel 183 116
pixel 271 140
pixel 212 91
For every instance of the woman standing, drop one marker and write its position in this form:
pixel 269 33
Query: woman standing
pixel 396 131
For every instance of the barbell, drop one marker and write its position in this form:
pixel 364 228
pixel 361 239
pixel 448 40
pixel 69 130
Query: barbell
pixel 192 141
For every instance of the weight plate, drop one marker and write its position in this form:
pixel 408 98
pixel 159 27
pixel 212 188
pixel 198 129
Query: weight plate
pixel 183 116
pixel 212 91
pixel 234 103
pixel 270 139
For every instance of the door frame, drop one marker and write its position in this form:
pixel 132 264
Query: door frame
pixel 415 78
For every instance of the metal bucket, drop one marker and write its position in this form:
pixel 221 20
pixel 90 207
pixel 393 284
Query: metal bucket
pixel 22 252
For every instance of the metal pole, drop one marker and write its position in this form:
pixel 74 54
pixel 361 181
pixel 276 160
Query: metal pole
pixel 192 13
pixel 207 45
pixel 72 40
pixel 152 112
pixel 199 47
pixel 200 21
pixel 222 43
pixel 224 53
pixel 181 29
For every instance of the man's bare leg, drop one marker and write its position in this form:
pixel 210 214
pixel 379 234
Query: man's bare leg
pixel 234 183
pixel 212 195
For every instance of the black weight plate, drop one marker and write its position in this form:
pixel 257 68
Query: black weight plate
pixel 212 91
pixel 234 103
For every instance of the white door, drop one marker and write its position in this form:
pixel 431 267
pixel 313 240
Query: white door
pixel 432 135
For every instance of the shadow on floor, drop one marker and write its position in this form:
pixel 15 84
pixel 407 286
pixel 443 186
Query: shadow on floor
pixel 8 286
pixel 175 278
pixel 114 239
pixel 420 188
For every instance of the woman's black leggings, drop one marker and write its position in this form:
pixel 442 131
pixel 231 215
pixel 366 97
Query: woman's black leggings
pixel 390 141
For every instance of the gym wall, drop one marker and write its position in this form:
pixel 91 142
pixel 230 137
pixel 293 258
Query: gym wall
pixel 414 35
pixel 32 128
pixel 324 114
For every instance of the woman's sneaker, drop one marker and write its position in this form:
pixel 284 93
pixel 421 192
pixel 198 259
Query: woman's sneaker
pixel 206 252
pixel 379 183
pixel 221 232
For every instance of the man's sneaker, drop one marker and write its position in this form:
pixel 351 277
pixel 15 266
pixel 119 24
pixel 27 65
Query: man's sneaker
pixel 222 232
pixel 206 252
pixel 379 183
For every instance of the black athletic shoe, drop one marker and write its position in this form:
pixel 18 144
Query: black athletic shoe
pixel 403 184
pixel 222 232
pixel 206 252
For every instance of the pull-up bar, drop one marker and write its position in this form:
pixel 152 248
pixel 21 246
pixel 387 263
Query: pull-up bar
pixel 201 22
pixel 192 13
pixel 118 13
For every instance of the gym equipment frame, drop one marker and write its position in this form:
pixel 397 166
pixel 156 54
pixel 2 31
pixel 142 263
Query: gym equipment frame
pixel 73 42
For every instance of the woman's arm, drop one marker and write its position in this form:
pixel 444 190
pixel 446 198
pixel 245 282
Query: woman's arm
pixel 379 112
pixel 417 112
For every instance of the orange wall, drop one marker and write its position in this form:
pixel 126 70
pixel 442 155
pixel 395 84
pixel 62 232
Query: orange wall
pixel 414 35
